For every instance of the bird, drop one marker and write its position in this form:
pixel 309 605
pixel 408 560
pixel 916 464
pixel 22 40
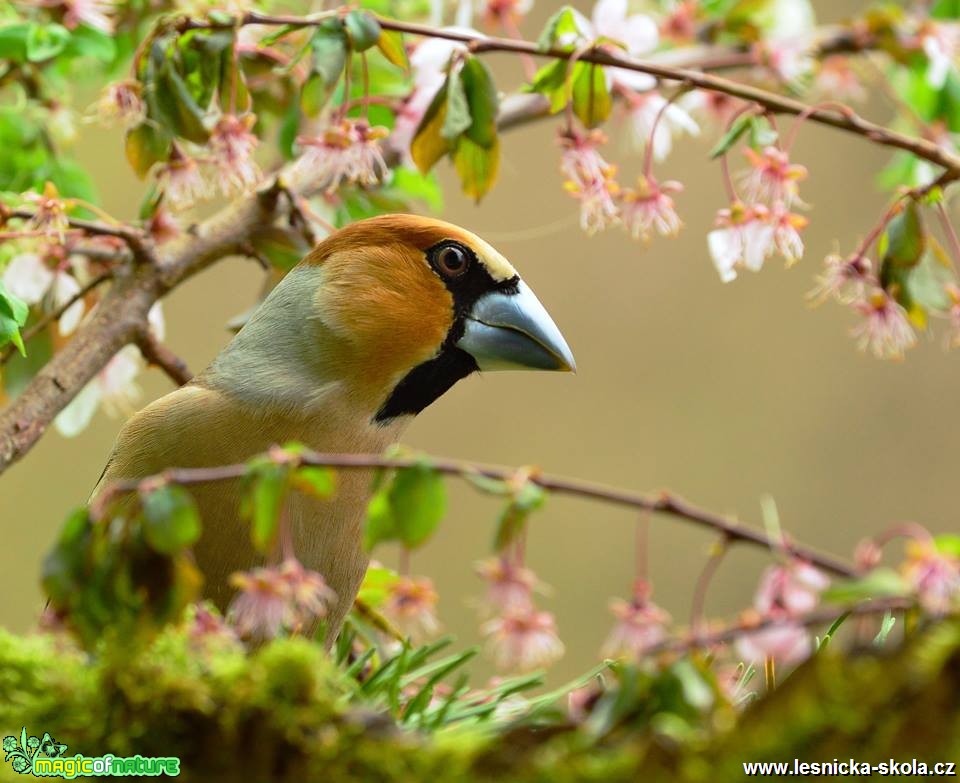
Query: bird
pixel 372 326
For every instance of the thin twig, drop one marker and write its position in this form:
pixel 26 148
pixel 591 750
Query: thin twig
pixel 736 631
pixel 157 354
pixel 139 243
pixel 664 502
pixel 850 122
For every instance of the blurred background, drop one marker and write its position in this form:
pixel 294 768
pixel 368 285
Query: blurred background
pixel 721 393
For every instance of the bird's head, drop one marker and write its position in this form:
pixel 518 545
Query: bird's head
pixel 409 305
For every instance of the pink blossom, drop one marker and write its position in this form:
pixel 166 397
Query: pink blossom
pixel 182 182
pixel 29 278
pixel 793 588
pixel 412 607
pixel 523 639
pixel 509 586
pixel 714 108
pixel 49 213
pixel 121 103
pixel 114 387
pixel 837 80
pixel 787 226
pixel 789 59
pixel 643 112
pixel 650 208
pixel 844 279
pixel 589 179
pixel 497 12
pixel 162 225
pixel 953 314
pixel 679 26
pixel 786 642
pixel 94 13
pixel 933 575
pixel 744 237
pixel 772 178
pixel 885 330
pixel 940 42
pixel 233 144
pixel 310 596
pixel 207 626
pixel 262 607
pixel 348 152
pixel 641 625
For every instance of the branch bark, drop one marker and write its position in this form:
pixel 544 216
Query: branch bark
pixel 121 315
pixel 663 503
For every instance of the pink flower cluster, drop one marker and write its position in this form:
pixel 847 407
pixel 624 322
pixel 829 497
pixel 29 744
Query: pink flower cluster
pixel 786 592
pixel 642 211
pixel 519 636
pixel 270 600
pixel 751 230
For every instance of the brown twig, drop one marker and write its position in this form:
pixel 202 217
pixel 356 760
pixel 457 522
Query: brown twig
pixel 777 104
pixel 159 355
pixel 55 315
pixel 821 616
pixel 664 502
pixel 139 243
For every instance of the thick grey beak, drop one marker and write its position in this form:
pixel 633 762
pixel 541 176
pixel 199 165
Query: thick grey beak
pixel 514 332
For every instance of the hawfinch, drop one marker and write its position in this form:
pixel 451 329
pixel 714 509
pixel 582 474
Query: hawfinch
pixel 376 323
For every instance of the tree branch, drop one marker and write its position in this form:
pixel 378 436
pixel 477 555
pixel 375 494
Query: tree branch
pixel 664 502
pixel 821 616
pixel 157 354
pixel 139 243
pixel 122 314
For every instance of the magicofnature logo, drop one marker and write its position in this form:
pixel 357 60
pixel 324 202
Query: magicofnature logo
pixel 45 757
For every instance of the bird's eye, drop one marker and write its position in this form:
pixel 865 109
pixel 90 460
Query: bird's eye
pixel 452 260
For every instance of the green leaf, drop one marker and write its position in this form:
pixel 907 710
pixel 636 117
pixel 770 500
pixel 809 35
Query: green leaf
pixel 314 480
pixel 551 82
pixel 267 488
pixel 281 246
pixel 418 501
pixel 906 238
pixel 45 42
pixel 86 41
pixel 180 110
pixel 391 46
pixel 417 186
pixel 457 118
pixel 762 133
pixel 171 519
pixel 525 500
pixel 477 166
pixel 879 583
pixel 732 136
pixel 592 102
pixel 380 524
pixel 329 46
pixel 886 626
pixel 13 41
pixel 428 144
pixel 376 585
pixel 561 31
pixel 948 544
pixel 145 145
pixel 483 102
pixel 13 315
pixel 363 29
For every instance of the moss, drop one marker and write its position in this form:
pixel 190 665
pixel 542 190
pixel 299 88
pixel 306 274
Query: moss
pixel 286 712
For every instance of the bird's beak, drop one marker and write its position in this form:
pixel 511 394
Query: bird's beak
pixel 514 332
